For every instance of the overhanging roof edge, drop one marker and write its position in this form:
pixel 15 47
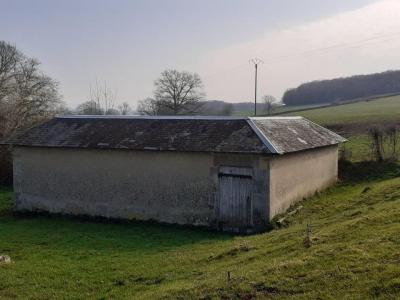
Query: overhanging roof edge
pixel 263 137
pixel 342 139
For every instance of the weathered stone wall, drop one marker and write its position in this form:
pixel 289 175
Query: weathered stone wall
pixel 164 186
pixel 167 186
pixel 172 187
pixel 299 175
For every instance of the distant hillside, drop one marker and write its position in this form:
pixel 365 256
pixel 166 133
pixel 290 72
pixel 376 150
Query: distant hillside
pixel 248 106
pixel 384 109
pixel 343 89
pixel 220 107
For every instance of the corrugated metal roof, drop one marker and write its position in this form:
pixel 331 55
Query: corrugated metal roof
pixel 273 135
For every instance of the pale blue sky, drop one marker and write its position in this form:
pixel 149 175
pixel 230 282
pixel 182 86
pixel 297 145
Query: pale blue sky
pixel 128 43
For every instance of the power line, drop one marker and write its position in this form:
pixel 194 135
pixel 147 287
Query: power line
pixel 337 46
pixel 322 50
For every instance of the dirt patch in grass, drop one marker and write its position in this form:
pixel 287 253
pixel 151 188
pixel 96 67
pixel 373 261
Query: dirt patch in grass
pixel 241 248
pixel 139 280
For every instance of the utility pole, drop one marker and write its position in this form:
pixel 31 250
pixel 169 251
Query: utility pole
pixel 255 62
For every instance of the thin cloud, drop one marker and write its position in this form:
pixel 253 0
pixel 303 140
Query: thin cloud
pixel 359 41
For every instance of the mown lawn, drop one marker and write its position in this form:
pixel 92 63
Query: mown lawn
pixel 354 255
pixel 377 110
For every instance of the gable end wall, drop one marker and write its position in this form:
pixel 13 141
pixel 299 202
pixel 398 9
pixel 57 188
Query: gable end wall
pixel 299 175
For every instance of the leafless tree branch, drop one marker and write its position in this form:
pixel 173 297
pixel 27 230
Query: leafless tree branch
pixel 175 93
pixel 27 96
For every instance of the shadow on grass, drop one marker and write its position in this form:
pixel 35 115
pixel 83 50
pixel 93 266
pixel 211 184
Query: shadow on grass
pixel 91 233
pixel 145 237
pixel 354 172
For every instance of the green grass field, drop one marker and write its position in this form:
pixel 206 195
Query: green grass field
pixel 374 110
pixel 354 254
pixel 384 109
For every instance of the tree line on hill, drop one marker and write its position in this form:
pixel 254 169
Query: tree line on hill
pixel 340 90
pixel 175 93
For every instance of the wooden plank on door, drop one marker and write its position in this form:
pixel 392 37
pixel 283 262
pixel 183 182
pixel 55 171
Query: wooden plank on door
pixel 235 203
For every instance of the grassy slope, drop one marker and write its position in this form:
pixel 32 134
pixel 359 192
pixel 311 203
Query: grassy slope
pixel 355 254
pixel 385 109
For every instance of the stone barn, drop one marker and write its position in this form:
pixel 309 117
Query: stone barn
pixel 227 173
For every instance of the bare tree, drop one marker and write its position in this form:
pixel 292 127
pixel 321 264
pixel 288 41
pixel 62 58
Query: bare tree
pixel 104 98
pixel 9 58
pixel 269 103
pixel 124 108
pixel 27 96
pixel 151 107
pixel 393 136
pixel 175 93
pixel 377 146
pixel 89 108
pixel 102 101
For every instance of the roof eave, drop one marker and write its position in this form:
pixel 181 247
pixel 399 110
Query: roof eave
pixel 267 143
